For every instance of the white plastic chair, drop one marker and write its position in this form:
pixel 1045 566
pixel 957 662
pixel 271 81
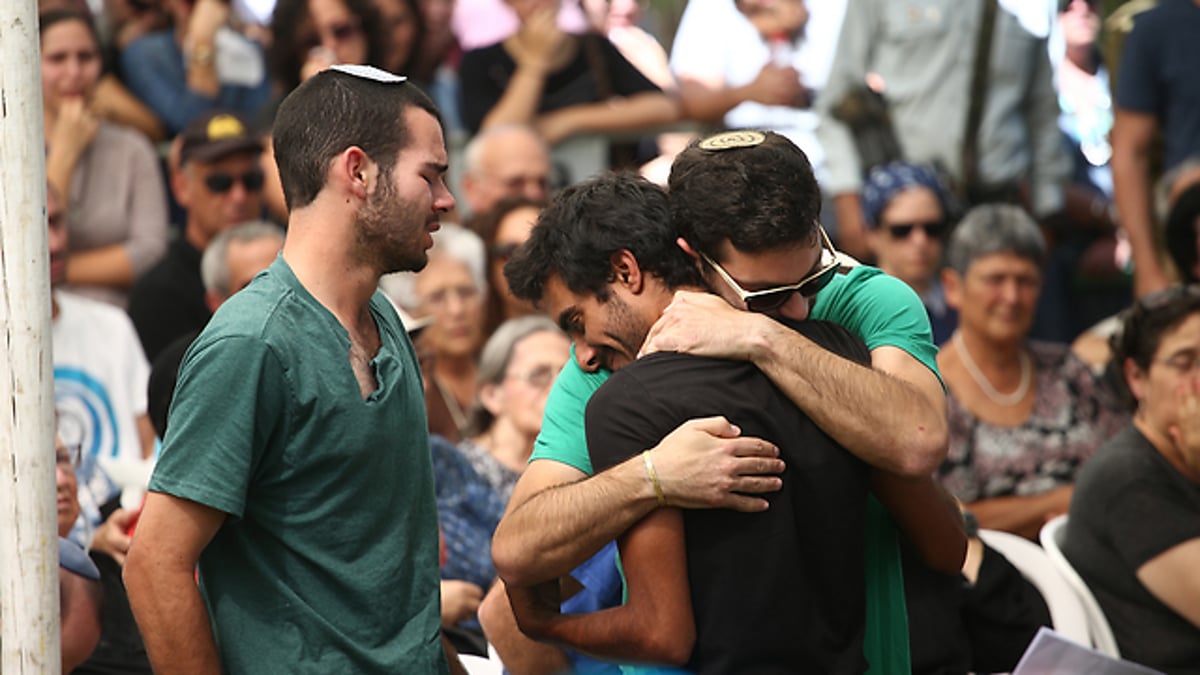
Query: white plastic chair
pixel 1067 612
pixel 477 665
pixel 1102 637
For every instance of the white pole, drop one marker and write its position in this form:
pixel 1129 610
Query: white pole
pixel 29 621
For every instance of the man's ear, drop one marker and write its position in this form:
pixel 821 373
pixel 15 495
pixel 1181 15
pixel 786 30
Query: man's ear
pixel 952 287
pixel 179 185
pixel 354 171
pixel 626 271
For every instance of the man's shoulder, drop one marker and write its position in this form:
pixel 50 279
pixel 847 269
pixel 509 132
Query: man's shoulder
pixel 859 289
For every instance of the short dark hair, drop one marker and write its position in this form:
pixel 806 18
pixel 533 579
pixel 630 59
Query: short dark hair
pixel 584 225
pixel 758 197
pixel 331 112
pixel 1145 323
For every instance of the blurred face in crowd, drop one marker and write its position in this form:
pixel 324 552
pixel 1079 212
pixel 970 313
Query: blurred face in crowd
pixel 449 294
pixel 437 15
pixel 1174 371
pixel 774 17
pixel 70 62
pixel 524 9
pixel 220 194
pixel 520 398
pixel 997 297
pixel 1080 23
pixel 399 18
pixel 512 231
pixel 511 165
pixel 908 242
pixel 335 28
pixel 605 15
pixel 66 486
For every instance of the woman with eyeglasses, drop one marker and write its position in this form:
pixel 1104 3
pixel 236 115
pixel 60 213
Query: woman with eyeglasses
pixel 907 212
pixel 1134 527
pixel 503 230
pixel 109 173
pixel 1023 415
pixel 475 479
pixel 449 292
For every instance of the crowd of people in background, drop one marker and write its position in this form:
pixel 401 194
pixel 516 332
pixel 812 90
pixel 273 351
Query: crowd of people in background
pixel 1027 170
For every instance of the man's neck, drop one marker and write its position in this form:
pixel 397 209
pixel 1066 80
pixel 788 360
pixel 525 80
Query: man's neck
pixel 317 250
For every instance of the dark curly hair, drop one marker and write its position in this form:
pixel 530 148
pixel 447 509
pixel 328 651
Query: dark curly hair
pixel 759 197
pixel 585 224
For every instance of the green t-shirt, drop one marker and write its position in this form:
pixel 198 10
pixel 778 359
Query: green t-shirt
pixel 328 559
pixel 880 309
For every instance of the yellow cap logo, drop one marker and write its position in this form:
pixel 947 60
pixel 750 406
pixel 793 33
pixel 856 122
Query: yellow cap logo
pixel 224 126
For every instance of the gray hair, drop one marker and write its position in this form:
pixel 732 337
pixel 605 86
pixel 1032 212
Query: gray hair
pixel 995 228
pixel 497 355
pixel 451 241
pixel 473 152
pixel 214 266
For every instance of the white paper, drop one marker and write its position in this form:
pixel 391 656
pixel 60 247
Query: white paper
pixel 1052 654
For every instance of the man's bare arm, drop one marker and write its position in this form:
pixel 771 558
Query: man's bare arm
pixel 928 516
pixel 655 625
pixel 160 580
pixel 892 415
pixel 556 520
pixel 1132 136
pixel 520 653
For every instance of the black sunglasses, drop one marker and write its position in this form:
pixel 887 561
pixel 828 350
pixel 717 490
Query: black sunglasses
pixel 221 183
pixel 773 298
pixel 933 230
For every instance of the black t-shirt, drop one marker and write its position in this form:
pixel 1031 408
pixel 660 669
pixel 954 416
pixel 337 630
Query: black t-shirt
pixel 485 72
pixel 1130 506
pixel 168 300
pixel 773 592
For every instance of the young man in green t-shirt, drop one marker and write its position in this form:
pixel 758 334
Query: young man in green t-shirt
pixel 892 416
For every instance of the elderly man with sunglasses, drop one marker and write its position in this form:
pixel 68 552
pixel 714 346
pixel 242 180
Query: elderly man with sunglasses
pixel 723 190
pixel 219 181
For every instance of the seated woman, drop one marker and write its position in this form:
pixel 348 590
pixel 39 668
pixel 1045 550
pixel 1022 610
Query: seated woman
pixel 109 173
pixel 1023 415
pixel 518 365
pixel 1134 530
pixel 559 83
pixel 475 480
pixel 906 209
pixel 450 292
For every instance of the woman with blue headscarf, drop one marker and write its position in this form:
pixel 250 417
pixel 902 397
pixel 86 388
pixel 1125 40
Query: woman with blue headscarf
pixel 907 211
